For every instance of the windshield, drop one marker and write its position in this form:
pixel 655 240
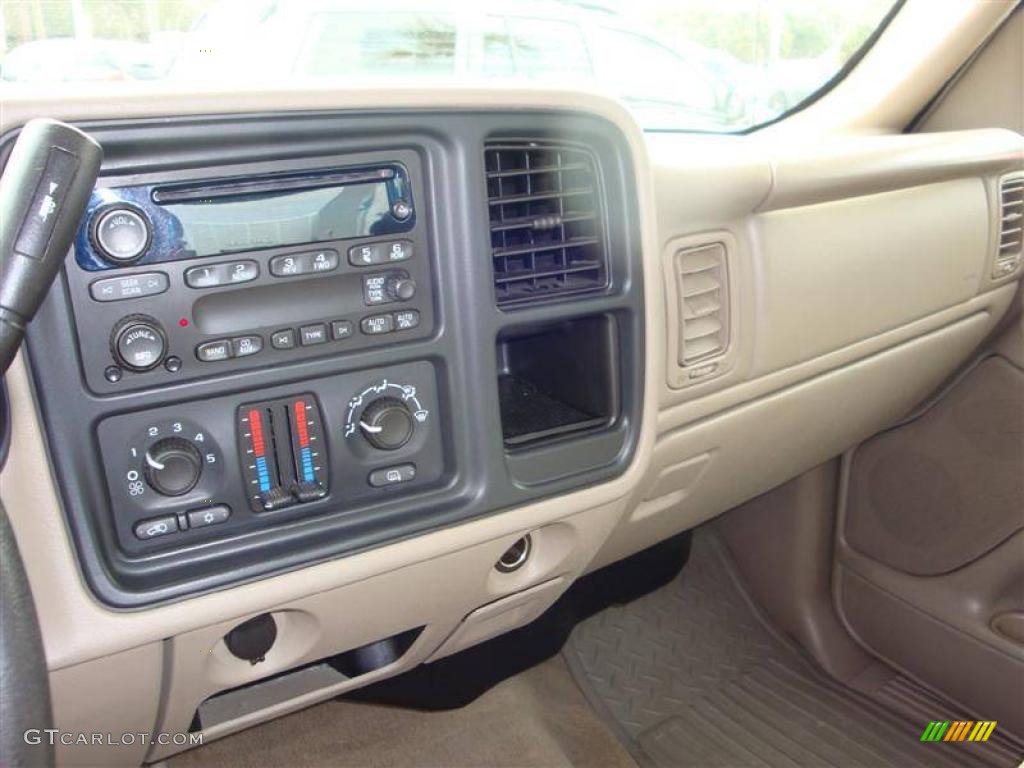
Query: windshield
pixel 710 65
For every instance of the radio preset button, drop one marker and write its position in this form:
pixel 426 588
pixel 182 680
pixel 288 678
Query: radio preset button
pixel 323 261
pixel 212 351
pixel 293 264
pixel 312 334
pixel 377 324
pixel 226 273
pixel 131 287
pixel 400 250
pixel 341 329
pixel 365 255
pixel 208 276
pixel 243 346
pixel 406 320
pixel 287 266
pixel 283 339
pixel 370 254
pixel 241 271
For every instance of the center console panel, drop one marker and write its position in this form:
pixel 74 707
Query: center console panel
pixel 279 339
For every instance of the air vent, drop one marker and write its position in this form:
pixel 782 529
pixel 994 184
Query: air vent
pixel 1011 225
pixel 703 303
pixel 547 226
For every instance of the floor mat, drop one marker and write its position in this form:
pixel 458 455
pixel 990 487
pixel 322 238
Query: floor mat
pixel 691 676
pixel 537 718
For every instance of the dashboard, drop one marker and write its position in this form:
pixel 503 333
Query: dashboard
pixel 288 338
pixel 335 366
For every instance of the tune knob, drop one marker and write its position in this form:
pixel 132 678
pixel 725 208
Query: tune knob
pixel 138 342
pixel 387 424
pixel 173 466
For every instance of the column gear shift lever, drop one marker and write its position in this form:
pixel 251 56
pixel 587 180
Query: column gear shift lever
pixel 43 192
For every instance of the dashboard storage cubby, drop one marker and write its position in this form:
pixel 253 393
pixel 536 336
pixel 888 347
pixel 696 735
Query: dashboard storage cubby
pixel 312 678
pixel 557 379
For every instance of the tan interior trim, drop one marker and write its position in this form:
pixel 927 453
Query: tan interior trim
pixel 840 167
pixel 921 49
pixel 717 445
pixel 64 603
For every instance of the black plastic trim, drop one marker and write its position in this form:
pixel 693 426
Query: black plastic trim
pixel 5 422
pixel 480 477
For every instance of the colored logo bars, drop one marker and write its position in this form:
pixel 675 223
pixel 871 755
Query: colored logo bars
pixel 958 730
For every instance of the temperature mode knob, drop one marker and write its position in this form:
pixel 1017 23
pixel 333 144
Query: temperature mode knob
pixel 173 466
pixel 138 342
pixel 121 234
pixel 387 424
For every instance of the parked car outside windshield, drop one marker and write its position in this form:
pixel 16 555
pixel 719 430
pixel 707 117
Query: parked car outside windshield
pixel 698 65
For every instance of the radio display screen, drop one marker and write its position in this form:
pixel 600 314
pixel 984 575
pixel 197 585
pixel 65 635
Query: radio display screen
pixel 270 220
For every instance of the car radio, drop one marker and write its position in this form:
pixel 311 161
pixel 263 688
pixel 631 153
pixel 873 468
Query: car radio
pixel 177 280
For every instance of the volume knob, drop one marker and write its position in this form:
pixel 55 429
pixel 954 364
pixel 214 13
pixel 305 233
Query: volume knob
pixel 121 233
pixel 173 466
pixel 387 424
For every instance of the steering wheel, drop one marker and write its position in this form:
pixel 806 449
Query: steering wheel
pixel 24 684
pixel 46 182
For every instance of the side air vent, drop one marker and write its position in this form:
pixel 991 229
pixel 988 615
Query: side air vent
pixel 547 225
pixel 1011 225
pixel 704 303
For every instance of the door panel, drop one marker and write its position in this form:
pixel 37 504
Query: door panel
pixel 931 545
pixel 932 495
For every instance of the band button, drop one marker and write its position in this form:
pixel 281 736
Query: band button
pixel 212 351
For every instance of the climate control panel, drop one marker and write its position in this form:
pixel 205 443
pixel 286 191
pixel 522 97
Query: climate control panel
pixel 282 451
pixel 341 444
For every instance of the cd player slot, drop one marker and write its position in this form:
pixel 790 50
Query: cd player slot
pixel 207 191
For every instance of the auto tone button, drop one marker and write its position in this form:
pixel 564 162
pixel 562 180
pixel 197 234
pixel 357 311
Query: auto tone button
pixel 377 324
